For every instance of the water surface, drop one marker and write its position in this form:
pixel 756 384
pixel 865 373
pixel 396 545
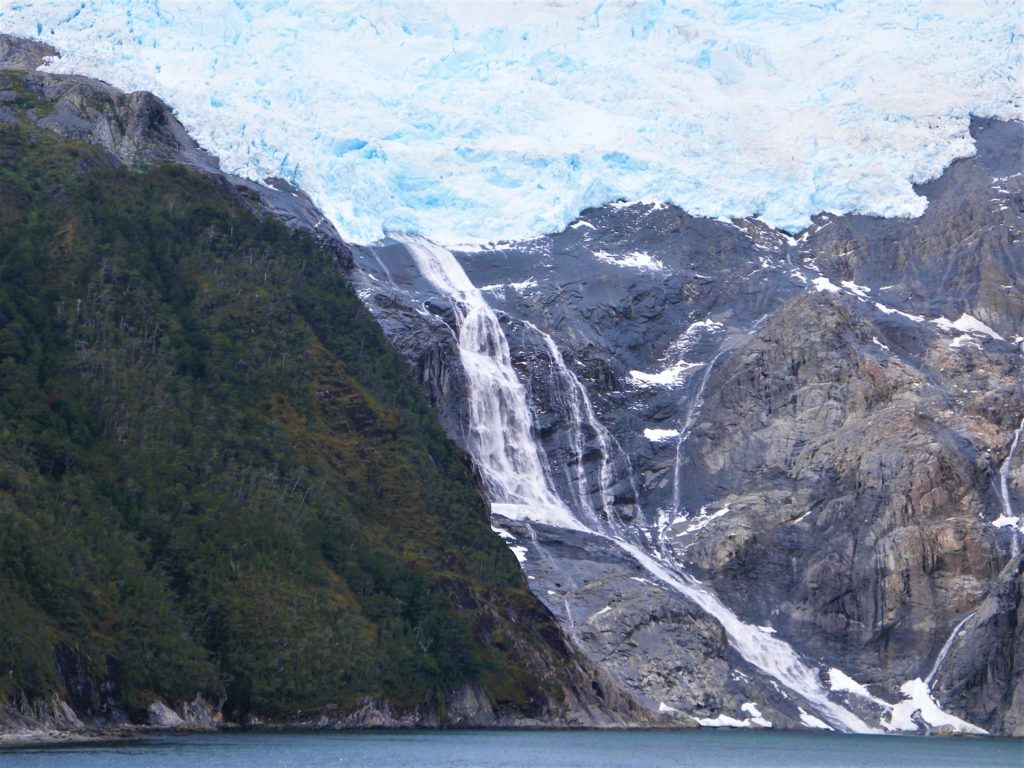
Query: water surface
pixel 525 749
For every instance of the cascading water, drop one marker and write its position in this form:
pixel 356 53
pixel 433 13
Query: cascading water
pixel 1008 516
pixel 500 438
pixel 691 413
pixel 947 647
pixel 500 429
pixel 584 427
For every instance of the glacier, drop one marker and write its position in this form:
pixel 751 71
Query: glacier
pixel 473 122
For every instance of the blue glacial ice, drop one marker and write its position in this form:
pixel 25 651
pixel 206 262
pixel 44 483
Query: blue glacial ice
pixel 478 121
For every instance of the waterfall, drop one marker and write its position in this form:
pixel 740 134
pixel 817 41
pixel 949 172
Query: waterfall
pixel 691 414
pixel 773 656
pixel 500 428
pixel 501 440
pixel 946 648
pixel 1004 493
pixel 584 426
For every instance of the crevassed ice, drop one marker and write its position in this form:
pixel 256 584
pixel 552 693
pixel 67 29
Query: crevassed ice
pixel 469 122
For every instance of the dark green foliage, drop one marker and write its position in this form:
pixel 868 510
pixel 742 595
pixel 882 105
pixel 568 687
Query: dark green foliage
pixel 215 474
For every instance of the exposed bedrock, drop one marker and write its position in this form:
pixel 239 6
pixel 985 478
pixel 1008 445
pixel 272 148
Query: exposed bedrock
pixel 821 428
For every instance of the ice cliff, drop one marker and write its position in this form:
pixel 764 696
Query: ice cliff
pixel 471 122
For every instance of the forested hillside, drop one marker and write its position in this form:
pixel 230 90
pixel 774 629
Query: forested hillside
pixel 216 475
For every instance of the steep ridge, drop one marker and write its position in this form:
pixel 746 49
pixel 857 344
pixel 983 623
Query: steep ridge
pixel 818 428
pixel 223 496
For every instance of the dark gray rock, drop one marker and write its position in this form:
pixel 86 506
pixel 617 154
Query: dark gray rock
pixel 838 473
pixel 21 54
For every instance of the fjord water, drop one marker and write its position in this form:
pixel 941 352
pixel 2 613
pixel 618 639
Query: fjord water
pixel 526 749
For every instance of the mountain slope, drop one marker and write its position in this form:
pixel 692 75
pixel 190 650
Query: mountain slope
pixel 825 431
pixel 216 475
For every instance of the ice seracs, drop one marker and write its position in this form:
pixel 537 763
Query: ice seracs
pixel 471 122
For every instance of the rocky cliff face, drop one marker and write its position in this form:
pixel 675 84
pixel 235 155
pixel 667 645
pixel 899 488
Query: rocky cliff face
pixel 822 429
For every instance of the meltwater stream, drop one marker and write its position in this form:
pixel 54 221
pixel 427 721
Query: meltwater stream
pixel 502 443
pixel 1007 516
pixel 500 429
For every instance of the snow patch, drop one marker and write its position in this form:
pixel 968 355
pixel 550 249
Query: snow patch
pixel 755 715
pixel 660 435
pixel 633 260
pixel 812 722
pixel 672 376
pixel 705 518
pixel 754 718
pixel 841 682
pixel 823 284
pixel 860 291
pixel 503 533
pixel 967 324
pixel 890 311
pixel 723 721
pixel 918 702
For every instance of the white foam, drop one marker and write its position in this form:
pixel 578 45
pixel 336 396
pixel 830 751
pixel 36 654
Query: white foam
pixel 470 122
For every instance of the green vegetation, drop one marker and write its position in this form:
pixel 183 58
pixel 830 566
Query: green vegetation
pixel 215 473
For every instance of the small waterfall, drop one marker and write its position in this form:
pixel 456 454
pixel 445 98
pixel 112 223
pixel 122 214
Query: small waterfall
pixel 583 428
pixel 502 443
pixel 1004 491
pixel 691 414
pixel 946 648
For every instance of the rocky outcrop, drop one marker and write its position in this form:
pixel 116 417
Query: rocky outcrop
pixel 816 427
pixel 25 55
pixel 43 716
pixel 983 672
pixel 138 129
